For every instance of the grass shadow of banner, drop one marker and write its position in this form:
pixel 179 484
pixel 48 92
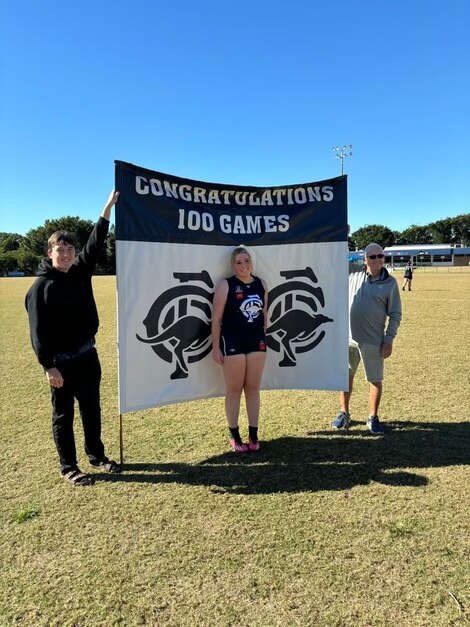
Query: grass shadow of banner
pixel 323 461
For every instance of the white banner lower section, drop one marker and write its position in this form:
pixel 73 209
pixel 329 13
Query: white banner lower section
pixel 164 313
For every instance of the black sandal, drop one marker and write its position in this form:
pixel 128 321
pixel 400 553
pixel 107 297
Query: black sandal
pixel 78 478
pixel 109 465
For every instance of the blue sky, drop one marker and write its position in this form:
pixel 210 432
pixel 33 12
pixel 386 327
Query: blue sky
pixel 247 92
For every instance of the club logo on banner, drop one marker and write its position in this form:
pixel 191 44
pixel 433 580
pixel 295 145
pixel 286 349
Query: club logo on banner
pixel 293 324
pixel 174 238
pixel 178 323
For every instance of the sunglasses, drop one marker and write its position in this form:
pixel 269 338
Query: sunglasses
pixel 379 256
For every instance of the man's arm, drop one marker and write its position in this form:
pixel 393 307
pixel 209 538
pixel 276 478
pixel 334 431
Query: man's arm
pixel 394 319
pixel 386 349
pixel 38 321
pixel 38 325
pixel 89 255
pixel 112 200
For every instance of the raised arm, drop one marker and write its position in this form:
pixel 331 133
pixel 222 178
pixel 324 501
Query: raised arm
pixel 86 260
pixel 112 200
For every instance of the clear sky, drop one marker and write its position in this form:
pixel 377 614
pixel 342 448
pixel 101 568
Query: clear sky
pixel 243 92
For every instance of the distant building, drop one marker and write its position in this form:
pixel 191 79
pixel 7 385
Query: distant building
pixel 429 255
pixel 422 255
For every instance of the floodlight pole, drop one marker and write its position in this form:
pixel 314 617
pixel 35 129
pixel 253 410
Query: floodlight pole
pixel 342 152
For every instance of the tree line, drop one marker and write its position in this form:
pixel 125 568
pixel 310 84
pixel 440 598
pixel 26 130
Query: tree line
pixel 448 231
pixel 23 253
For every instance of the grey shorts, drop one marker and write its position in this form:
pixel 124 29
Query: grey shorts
pixel 371 358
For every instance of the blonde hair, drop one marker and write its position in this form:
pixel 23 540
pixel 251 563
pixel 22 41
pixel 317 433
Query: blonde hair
pixel 237 251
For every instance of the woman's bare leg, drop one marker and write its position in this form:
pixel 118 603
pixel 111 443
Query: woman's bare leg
pixel 234 369
pixel 254 371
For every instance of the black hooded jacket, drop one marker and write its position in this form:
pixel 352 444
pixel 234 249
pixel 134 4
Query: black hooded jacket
pixel 61 306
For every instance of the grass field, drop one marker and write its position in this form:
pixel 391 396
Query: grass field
pixel 319 529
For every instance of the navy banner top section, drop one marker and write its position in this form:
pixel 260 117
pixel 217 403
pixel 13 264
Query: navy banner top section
pixel 157 207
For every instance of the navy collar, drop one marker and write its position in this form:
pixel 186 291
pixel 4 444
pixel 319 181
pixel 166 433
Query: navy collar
pixel 382 276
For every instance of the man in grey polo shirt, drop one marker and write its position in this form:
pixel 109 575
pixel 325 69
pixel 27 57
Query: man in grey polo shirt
pixel 374 318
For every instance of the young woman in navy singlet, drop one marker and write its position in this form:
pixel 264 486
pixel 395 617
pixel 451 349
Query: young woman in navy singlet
pixel 239 344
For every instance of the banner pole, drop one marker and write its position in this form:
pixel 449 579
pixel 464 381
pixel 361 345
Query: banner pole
pixel 121 442
pixel 118 183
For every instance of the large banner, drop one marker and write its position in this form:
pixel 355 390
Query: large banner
pixel 174 238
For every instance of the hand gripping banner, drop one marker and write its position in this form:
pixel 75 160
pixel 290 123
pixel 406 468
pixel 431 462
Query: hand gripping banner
pixel 174 238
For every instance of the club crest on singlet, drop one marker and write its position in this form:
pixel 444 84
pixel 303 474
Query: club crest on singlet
pixel 251 307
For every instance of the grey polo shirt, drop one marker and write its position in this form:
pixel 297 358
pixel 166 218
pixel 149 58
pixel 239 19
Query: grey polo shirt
pixel 371 303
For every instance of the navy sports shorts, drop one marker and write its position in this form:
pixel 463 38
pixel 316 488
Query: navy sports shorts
pixel 242 344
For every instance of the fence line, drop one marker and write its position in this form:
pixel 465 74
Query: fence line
pixel 434 269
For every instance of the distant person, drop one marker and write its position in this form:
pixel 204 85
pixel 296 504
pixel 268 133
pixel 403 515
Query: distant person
pixel 239 344
pixel 374 298
pixel 63 322
pixel 408 276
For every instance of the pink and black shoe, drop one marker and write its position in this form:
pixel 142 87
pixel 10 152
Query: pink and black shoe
pixel 238 447
pixel 253 446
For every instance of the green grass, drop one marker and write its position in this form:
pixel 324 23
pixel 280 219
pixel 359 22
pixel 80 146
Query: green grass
pixel 320 529
pixel 28 512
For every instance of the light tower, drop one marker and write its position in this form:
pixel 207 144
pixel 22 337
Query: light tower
pixel 342 152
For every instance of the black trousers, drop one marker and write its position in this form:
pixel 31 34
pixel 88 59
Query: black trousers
pixel 82 377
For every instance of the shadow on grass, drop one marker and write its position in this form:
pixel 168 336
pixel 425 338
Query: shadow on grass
pixel 324 460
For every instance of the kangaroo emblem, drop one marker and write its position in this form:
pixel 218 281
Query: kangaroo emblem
pixel 178 324
pixel 293 321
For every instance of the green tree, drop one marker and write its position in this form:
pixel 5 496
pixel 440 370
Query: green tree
pixel 111 251
pixel 10 242
pixel 20 260
pixel 8 262
pixel 27 261
pixel 377 233
pixel 35 242
pixel 351 243
pixel 461 229
pixel 441 231
pixel 415 234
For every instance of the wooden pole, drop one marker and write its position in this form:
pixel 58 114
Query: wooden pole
pixel 121 441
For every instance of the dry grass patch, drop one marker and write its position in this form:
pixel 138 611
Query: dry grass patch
pixel 320 529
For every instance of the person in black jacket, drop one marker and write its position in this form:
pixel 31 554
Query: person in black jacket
pixel 63 322
pixel 239 344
